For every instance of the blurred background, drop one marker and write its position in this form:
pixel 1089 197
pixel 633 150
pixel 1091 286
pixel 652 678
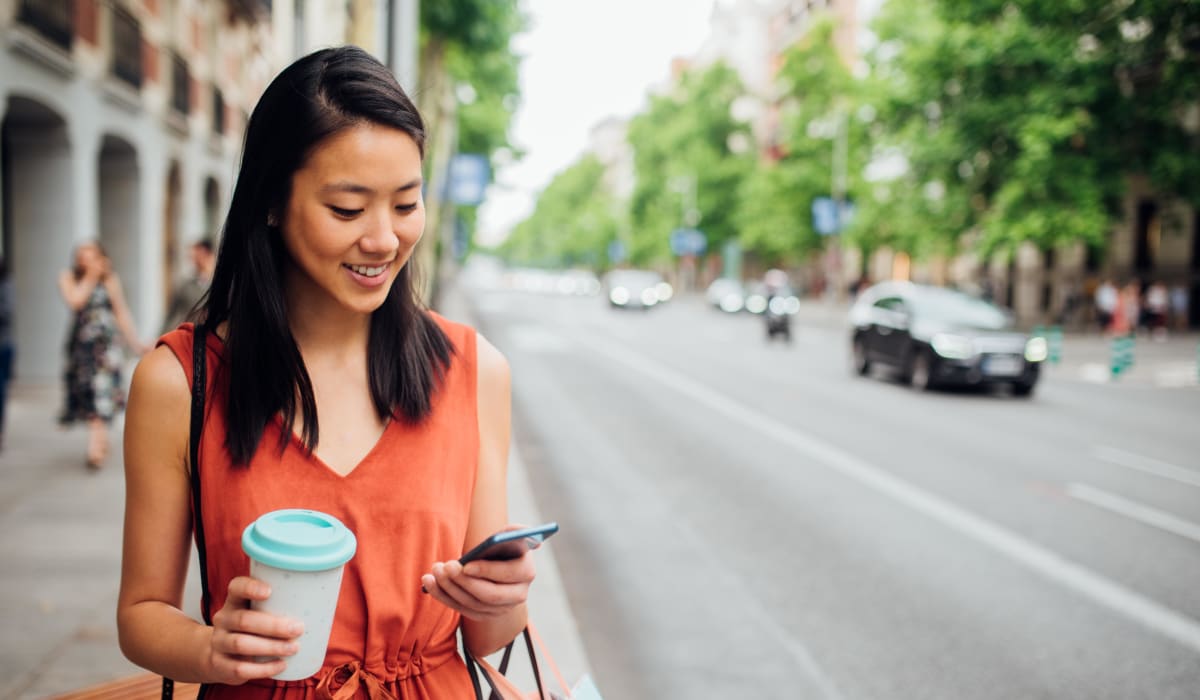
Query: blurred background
pixel 853 342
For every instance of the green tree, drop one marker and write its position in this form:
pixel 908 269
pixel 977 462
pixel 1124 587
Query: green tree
pixel 682 158
pixel 818 98
pixel 1023 119
pixel 575 220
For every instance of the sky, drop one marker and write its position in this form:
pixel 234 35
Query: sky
pixel 583 62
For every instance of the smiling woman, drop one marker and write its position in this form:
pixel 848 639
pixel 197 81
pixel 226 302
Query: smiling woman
pixel 312 319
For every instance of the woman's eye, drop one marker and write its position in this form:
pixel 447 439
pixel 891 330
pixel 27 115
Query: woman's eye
pixel 405 208
pixel 345 213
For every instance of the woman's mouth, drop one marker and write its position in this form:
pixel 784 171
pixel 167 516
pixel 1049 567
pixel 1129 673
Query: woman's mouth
pixel 369 276
pixel 366 270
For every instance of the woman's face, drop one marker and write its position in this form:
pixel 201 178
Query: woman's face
pixel 88 256
pixel 354 216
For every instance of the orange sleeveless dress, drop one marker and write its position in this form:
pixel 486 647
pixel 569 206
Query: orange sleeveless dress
pixel 407 501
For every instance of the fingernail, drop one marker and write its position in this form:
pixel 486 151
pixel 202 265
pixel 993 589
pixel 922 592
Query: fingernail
pixel 296 629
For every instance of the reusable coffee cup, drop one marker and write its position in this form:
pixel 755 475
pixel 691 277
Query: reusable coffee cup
pixel 301 555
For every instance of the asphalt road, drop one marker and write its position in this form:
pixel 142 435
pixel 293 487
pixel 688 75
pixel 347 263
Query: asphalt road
pixel 745 519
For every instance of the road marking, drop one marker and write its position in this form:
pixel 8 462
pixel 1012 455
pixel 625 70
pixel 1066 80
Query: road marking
pixel 1149 465
pixel 1137 511
pixel 1029 554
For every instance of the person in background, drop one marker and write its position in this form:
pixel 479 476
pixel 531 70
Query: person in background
pixel 6 341
pixel 1106 304
pixel 1157 309
pixel 330 387
pixel 1179 306
pixel 94 392
pixel 187 296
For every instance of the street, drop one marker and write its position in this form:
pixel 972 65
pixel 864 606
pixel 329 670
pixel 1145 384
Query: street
pixel 749 519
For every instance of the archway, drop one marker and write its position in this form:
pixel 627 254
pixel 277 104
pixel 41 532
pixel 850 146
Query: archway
pixel 119 215
pixel 38 218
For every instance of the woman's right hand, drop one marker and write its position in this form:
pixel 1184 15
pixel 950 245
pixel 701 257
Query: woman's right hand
pixel 241 635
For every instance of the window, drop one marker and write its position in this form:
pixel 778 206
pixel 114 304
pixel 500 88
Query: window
pixel 218 111
pixel 50 18
pixel 180 85
pixel 126 48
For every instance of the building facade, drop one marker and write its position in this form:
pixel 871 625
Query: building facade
pixel 121 121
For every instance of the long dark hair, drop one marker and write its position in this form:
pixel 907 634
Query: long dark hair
pixel 407 354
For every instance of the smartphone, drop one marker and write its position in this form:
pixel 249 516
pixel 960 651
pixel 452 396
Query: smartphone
pixel 510 544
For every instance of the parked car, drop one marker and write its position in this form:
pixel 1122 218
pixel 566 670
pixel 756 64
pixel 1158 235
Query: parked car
pixel 726 294
pixel 935 336
pixel 636 289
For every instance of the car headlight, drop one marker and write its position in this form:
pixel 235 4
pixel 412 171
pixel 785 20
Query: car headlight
pixel 664 291
pixel 756 304
pixel 1036 349
pixel 953 347
pixel 619 296
pixel 731 303
pixel 793 305
pixel 649 297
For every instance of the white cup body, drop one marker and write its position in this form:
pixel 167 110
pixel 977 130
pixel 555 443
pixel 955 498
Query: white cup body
pixel 308 596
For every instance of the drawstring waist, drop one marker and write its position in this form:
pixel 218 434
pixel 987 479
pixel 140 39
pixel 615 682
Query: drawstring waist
pixel 345 682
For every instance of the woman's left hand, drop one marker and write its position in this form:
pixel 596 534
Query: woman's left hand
pixel 482 589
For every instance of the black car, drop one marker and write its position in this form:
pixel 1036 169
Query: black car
pixel 935 336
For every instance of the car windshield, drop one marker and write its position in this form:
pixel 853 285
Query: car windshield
pixel 960 309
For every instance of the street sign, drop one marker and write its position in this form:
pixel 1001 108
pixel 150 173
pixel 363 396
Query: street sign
pixel 467 179
pixel 688 241
pixel 828 217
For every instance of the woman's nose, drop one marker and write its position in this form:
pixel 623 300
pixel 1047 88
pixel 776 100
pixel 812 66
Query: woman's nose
pixel 380 238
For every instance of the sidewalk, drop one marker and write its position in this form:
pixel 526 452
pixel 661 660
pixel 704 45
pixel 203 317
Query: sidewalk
pixel 60 541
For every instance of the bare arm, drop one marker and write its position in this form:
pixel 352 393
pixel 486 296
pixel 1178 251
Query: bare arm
pixel 76 292
pixel 154 632
pixel 124 317
pixel 490 595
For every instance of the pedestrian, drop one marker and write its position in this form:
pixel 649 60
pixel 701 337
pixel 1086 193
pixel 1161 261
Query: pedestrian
pixel 1157 309
pixel 186 297
pixel 6 341
pixel 1179 306
pixel 1106 304
pixel 93 388
pixel 331 389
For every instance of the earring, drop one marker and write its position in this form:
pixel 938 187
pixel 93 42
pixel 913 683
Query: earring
pixel 272 220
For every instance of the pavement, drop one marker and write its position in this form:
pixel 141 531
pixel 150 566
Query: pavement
pixel 60 541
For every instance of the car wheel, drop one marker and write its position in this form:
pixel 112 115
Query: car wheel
pixel 1022 389
pixel 920 372
pixel 861 364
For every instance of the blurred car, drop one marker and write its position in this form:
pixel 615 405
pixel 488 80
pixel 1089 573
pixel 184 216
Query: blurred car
pixel 726 294
pixel 578 282
pixel 636 289
pixel 935 336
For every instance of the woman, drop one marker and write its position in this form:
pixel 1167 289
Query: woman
pixel 331 389
pixel 94 392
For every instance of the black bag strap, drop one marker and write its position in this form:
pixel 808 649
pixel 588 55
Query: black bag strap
pixel 195 427
pixel 473 670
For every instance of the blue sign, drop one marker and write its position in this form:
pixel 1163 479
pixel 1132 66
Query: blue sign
pixel 828 217
pixel 467 179
pixel 688 241
pixel 616 252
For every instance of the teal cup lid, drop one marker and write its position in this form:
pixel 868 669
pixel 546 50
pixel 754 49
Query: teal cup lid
pixel 296 539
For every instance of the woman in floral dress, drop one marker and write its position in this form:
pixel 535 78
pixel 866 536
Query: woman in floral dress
pixel 94 392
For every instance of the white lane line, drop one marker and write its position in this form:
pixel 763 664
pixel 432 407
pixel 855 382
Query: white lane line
pixel 1147 464
pixel 1132 509
pixel 1119 599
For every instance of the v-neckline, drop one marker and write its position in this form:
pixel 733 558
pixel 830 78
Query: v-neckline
pixel 298 443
